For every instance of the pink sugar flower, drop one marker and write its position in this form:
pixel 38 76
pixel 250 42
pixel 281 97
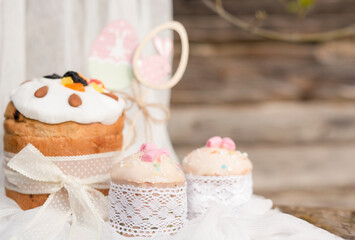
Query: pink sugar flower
pixel 151 152
pixel 147 146
pixel 214 141
pixel 226 143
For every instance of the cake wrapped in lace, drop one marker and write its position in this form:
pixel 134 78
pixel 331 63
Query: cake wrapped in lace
pixel 147 194
pixel 217 174
pixel 74 123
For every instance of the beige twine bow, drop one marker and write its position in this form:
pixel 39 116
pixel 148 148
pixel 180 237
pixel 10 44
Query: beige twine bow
pixel 139 98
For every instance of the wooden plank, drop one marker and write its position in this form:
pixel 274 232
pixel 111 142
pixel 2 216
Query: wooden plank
pixel 326 197
pixel 251 72
pixel 271 123
pixel 264 49
pixel 309 168
pixel 212 28
pixel 197 7
pixel 338 222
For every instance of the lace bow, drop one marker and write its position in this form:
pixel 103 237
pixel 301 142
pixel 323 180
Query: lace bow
pixel 69 196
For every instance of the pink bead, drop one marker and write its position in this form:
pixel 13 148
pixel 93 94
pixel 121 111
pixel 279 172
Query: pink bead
pixel 148 146
pixel 228 143
pixel 214 141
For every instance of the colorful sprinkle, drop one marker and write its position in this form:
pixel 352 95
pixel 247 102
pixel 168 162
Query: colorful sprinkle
pixel 97 87
pixel 214 152
pixel 157 166
pixel 67 80
pixel 80 75
pixel 76 86
pixel 98 82
pixel 224 166
pixel 177 166
pixel 76 77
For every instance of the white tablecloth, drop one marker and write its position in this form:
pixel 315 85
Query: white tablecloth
pixel 256 220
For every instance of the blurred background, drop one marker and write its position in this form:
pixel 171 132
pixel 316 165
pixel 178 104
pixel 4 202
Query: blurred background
pixel 290 105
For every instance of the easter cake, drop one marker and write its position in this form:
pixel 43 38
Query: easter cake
pixel 62 116
pixel 147 194
pixel 217 174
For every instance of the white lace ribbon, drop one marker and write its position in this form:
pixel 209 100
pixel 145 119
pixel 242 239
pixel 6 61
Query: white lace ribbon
pixel 147 212
pixel 204 192
pixel 31 172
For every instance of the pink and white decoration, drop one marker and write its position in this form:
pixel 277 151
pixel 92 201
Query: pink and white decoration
pixel 111 55
pixel 226 143
pixel 152 152
pixel 156 68
pixel 117 42
pixel 112 52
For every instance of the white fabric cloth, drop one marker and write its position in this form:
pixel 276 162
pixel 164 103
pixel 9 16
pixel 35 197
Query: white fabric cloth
pixel 254 221
pixel 41 37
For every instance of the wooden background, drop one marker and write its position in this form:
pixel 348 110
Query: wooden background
pixel 290 106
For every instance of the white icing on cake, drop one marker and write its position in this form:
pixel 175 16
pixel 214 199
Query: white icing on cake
pixel 215 161
pixel 133 169
pixel 54 107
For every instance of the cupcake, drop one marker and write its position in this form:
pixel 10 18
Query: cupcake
pixel 147 194
pixel 217 174
pixel 76 123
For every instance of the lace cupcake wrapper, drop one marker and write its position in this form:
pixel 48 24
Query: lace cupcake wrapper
pixel 205 191
pixel 147 212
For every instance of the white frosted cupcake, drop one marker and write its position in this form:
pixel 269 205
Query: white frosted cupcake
pixel 147 194
pixel 217 174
